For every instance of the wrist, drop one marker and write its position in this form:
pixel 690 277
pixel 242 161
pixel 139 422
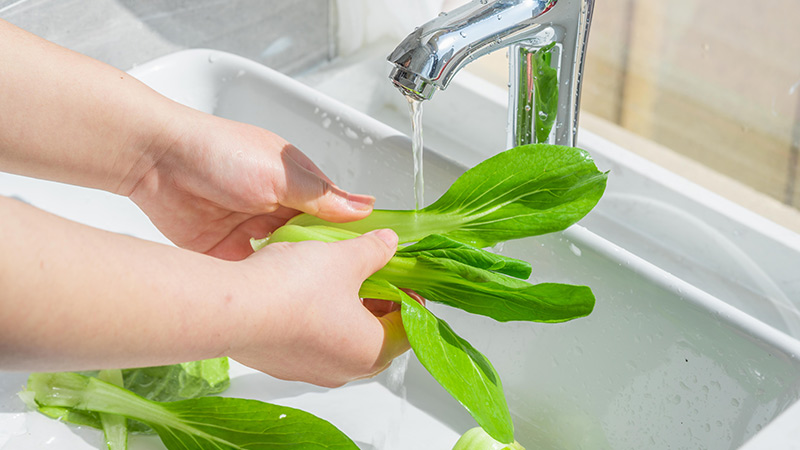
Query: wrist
pixel 159 134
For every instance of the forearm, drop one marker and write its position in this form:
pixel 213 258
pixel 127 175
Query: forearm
pixel 74 297
pixel 69 118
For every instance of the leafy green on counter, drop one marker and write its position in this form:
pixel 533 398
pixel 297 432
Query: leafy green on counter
pixel 115 428
pixel 160 383
pixel 203 423
pixel 179 381
pixel 526 191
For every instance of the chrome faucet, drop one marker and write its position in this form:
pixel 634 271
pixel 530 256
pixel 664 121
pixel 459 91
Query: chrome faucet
pixel 546 41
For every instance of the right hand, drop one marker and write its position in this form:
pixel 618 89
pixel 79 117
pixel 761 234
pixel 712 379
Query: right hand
pixel 310 325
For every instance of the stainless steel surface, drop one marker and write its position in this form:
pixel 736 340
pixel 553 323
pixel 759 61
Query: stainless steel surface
pixel 429 57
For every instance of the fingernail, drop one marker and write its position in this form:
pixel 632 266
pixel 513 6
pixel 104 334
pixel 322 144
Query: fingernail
pixel 360 202
pixel 388 237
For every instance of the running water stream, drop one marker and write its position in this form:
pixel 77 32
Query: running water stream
pixel 415 108
pixel 396 374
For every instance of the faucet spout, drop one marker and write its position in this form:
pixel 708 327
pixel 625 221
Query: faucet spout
pixel 428 58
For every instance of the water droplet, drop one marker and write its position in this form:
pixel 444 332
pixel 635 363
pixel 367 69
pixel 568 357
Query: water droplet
pixel 350 133
pixel 542 115
pixel 239 73
pixel 483 2
pixel 326 122
pixel 575 250
pixel 527 107
pixel 499 17
pixel 212 58
pixel 735 403
pixel 442 14
pixel 367 140
pixel 463 34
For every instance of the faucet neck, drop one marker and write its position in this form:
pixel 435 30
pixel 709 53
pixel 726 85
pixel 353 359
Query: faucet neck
pixel 429 57
pixel 545 79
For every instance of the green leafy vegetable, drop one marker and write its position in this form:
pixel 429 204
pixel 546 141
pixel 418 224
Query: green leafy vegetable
pixel 201 423
pixel 478 439
pixel 160 383
pixel 461 369
pixel 179 381
pixel 526 191
pixel 472 279
pixel 115 428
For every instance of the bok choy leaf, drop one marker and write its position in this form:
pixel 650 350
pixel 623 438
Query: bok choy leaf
pixel 204 423
pixel 525 191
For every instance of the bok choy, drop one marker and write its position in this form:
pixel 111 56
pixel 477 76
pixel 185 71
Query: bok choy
pixel 526 191
pixel 202 423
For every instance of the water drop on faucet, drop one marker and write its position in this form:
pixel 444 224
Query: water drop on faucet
pixel 463 34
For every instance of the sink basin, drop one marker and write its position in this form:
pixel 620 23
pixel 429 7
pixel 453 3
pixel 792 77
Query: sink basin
pixel 663 362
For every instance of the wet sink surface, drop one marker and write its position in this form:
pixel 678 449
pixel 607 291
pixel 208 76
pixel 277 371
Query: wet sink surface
pixel 659 364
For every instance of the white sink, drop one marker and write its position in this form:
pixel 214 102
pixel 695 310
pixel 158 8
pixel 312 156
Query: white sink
pixel 665 361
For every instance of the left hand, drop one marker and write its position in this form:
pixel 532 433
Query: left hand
pixel 216 183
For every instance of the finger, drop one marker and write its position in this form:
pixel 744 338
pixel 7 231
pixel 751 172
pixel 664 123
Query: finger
pixel 304 161
pixel 369 252
pixel 236 245
pixel 380 307
pixel 395 343
pixel 311 192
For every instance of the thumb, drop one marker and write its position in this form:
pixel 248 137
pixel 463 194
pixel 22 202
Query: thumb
pixel 370 251
pixel 307 189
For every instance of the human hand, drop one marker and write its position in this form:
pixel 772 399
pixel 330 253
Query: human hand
pixel 215 183
pixel 318 330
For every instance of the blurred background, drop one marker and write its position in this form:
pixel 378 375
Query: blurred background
pixel 709 89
